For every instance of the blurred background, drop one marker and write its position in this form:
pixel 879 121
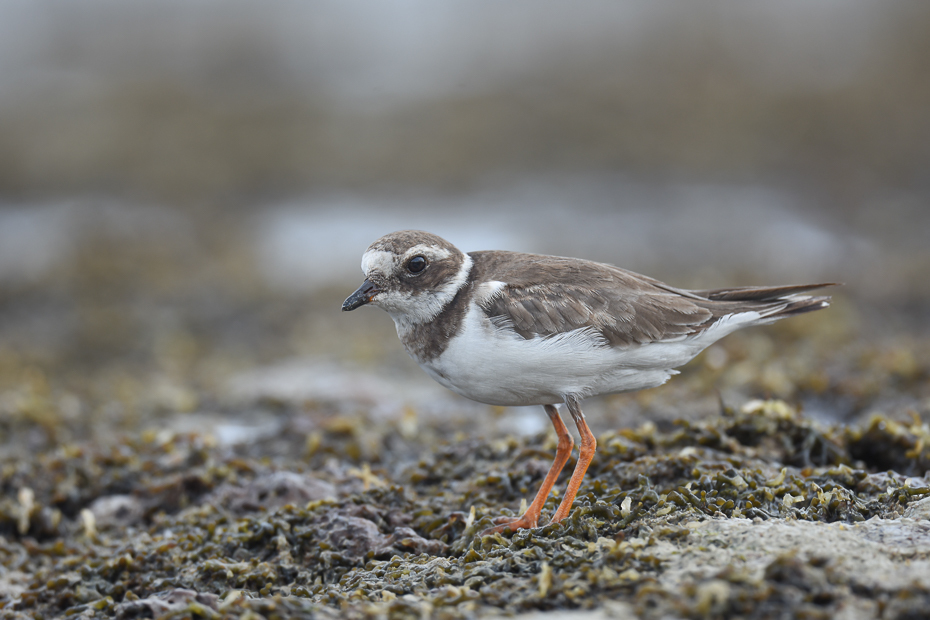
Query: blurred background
pixel 186 189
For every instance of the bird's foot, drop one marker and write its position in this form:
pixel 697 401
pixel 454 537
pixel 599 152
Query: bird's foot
pixel 512 523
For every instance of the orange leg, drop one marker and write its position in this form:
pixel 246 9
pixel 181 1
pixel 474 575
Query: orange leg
pixel 585 454
pixel 562 452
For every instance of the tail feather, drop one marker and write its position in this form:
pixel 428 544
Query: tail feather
pixel 770 302
pixel 799 305
pixel 762 293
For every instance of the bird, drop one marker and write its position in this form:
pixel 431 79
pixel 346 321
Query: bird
pixel 515 329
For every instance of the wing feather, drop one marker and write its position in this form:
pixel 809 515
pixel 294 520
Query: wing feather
pixel 543 296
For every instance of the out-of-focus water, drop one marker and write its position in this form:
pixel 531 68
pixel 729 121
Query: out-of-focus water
pixel 697 235
pixel 689 231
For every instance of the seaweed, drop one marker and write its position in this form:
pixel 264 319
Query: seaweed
pixel 204 533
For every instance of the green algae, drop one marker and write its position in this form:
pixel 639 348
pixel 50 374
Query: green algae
pixel 412 546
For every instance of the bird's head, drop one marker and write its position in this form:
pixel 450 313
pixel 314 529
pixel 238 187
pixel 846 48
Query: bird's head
pixel 411 274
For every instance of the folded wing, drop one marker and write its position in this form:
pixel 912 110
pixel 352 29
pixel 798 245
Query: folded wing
pixel 542 296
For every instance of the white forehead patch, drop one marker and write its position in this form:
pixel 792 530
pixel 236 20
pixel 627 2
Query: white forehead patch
pixel 385 263
pixel 379 261
pixel 431 252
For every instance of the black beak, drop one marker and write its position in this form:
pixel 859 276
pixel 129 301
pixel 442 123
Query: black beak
pixel 361 297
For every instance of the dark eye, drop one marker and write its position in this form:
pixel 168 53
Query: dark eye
pixel 416 264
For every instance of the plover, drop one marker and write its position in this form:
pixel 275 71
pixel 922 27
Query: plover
pixel 507 328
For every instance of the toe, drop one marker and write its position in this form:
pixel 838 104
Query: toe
pixel 511 523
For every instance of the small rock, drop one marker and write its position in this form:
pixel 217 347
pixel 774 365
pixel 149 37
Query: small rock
pixel 406 539
pixel 165 602
pixel 919 509
pixel 355 537
pixel 272 491
pixel 117 511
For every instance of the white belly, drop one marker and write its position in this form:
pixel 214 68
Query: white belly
pixel 499 367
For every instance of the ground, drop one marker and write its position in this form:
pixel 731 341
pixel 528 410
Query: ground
pixel 302 489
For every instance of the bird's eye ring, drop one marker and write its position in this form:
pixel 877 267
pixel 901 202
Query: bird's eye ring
pixel 416 264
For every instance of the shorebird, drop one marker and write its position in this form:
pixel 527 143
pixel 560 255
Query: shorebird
pixel 512 329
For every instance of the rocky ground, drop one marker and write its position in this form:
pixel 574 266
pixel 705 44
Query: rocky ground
pixel 183 477
pixel 757 512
